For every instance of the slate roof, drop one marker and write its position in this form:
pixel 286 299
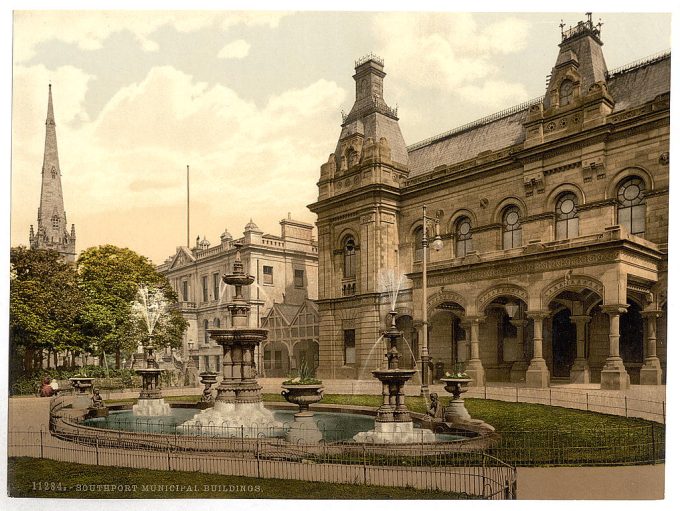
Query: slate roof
pixel 630 86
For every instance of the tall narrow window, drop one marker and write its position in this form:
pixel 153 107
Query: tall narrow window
pixel 632 209
pixel 418 244
pixel 55 221
pixel 216 286
pixel 206 335
pixel 566 90
pixel 350 258
pixel 268 275
pixel 350 353
pixel 204 285
pixel 512 229
pixel 185 290
pixel 566 223
pixel 299 278
pixel 463 237
pixel 216 322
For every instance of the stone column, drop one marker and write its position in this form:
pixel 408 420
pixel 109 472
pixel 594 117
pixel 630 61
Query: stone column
pixel 580 371
pixel 474 367
pixel 537 374
pixel 650 373
pixel 614 375
pixel 519 367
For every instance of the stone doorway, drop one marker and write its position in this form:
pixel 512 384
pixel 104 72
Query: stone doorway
pixel 563 344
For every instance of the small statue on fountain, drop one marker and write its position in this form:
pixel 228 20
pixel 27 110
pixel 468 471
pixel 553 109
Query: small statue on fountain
pixel 436 412
pixel 97 401
pixel 207 394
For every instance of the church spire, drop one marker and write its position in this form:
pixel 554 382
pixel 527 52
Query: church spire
pixel 52 232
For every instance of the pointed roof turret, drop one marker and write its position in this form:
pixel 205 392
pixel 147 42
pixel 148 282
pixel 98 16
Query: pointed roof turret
pixel 52 232
pixel 580 62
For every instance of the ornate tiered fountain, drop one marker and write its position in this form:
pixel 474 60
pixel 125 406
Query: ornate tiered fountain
pixel 151 308
pixel 150 401
pixel 238 401
pixel 393 423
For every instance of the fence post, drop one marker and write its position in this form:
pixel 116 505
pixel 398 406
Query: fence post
pixel 653 446
pixel 485 391
pixel 41 443
pixel 363 450
pixel 663 411
pixel 257 456
pixel 169 458
pixel 516 394
pixel 96 449
pixel 587 402
pixel 243 442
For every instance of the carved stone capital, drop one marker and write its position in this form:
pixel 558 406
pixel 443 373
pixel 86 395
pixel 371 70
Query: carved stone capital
pixel 615 309
pixel 537 315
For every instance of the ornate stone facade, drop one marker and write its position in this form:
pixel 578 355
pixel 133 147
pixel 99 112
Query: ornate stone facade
pixel 555 211
pixel 285 269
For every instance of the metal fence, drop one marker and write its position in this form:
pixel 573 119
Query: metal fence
pixel 483 477
pixel 593 401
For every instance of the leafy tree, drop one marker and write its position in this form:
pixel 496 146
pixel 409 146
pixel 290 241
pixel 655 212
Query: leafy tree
pixel 45 303
pixel 110 277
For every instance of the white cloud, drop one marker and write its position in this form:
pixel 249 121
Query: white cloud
pixel 445 51
pixel 496 94
pixel 235 50
pixel 89 29
pixel 128 164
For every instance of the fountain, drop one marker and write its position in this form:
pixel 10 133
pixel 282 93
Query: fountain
pixel 150 307
pixel 393 423
pixel 238 402
pixel 208 379
pixel 82 390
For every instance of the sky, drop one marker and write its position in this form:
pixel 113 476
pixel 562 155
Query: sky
pixel 252 102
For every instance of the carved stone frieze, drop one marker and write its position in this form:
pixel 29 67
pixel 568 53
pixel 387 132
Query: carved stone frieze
pixel 503 290
pixel 571 282
pixel 593 166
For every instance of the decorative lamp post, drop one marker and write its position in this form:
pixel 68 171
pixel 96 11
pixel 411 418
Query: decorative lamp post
pixel 437 245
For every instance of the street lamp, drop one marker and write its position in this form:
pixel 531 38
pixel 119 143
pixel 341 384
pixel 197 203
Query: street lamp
pixel 437 245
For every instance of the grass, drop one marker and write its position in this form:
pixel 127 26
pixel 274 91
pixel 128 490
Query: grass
pixel 29 477
pixel 541 435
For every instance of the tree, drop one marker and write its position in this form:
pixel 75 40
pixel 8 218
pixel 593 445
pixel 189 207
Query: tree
pixel 45 304
pixel 110 277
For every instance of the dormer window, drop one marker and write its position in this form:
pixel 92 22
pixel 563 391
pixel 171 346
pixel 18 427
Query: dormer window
pixel 566 90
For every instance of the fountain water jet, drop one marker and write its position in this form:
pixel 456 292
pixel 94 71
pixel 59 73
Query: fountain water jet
pixel 239 401
pixel 393 423
pixel 150 306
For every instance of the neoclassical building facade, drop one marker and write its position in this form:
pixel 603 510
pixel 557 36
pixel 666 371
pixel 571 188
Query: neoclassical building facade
pixel 553 218
pixel 285 270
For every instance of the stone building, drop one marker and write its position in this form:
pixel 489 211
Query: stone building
pixel 52 233
pixel 285 268
pixel 553 218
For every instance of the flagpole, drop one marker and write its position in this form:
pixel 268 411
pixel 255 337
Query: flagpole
pixel 187 206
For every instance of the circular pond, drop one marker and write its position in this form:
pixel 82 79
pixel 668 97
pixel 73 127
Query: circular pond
pixel 334 426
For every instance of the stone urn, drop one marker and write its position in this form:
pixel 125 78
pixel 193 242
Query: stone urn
pixel 208 379
pixel 455 410
pixel 82 390
pixel 304 428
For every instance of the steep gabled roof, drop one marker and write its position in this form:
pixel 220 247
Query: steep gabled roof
pixel 631 86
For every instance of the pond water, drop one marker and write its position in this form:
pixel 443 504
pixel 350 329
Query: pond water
pixel 333 426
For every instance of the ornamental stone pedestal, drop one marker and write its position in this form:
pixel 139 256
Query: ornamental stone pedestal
pixel 474 368
pixel 651 372
pixel 580 370
pixel 537 374
pixel 614 375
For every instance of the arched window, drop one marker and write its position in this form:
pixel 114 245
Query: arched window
pixel 566 223
pixel 55 221
pixel 566 90
pixel 206 335
pixel 632 209
pixel 350 258
pixel 512 229
pixel 463 237
pixel 216 322
pixel 418 244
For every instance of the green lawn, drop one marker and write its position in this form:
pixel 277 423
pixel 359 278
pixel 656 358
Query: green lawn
pixel 540 435
pixel 29 477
